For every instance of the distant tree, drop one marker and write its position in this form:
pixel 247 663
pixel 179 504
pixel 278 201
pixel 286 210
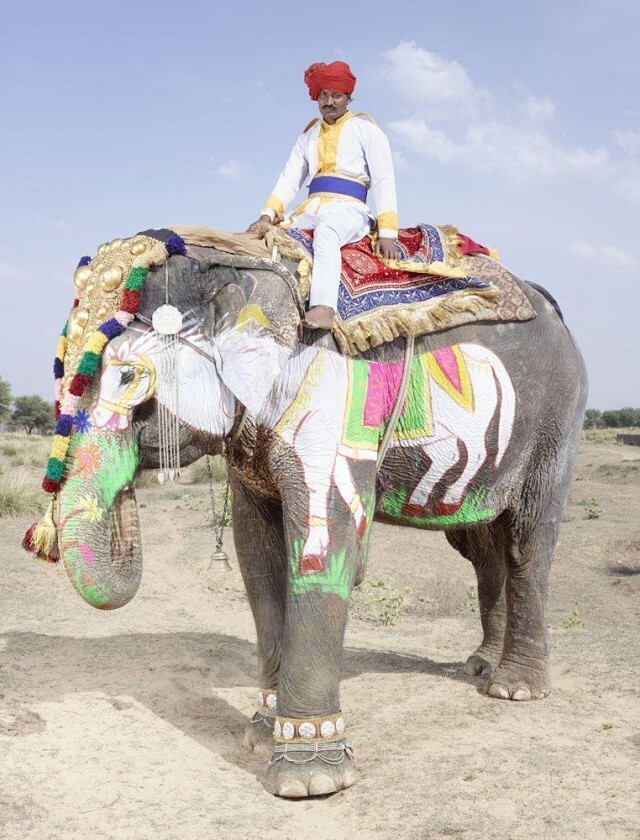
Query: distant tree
pixel 33 414
pixel 5 400
pixel 629 417
pixel 592 419
pixel 611 419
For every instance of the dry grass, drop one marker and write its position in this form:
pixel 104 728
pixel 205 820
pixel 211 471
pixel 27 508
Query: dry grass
pixel 19 494
pixel 20 450
pixel 607 435
pixel 195 473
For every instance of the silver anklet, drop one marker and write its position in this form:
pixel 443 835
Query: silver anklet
pixel 263 717
pixel 309 752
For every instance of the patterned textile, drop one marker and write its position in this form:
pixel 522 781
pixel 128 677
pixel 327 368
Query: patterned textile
pixel 436 283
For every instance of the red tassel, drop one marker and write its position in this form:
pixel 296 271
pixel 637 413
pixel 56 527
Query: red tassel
pixel 26 541
pixel 27 544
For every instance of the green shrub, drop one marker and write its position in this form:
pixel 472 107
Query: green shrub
pixel 378 601
pixel 592 509
pixel 574 622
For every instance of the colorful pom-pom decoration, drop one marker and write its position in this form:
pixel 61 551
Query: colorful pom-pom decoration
pixel 41 538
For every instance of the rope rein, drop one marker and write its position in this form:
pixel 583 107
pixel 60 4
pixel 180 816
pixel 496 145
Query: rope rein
pixel 400 400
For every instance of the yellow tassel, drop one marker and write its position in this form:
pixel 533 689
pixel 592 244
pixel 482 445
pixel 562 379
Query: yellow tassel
pixel 494 254
pixel 62 348
pixel 44 539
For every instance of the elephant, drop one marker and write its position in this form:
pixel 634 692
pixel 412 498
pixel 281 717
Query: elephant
pixel 483 450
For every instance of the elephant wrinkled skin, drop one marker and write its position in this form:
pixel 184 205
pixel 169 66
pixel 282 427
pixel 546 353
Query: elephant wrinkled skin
pixel 483 450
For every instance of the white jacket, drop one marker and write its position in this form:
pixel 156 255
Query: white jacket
pixel 355 148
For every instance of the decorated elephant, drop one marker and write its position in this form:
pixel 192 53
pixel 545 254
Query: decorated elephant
pixel 482 448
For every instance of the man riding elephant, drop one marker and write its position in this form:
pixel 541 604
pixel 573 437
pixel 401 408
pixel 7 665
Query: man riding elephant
pixel 345 155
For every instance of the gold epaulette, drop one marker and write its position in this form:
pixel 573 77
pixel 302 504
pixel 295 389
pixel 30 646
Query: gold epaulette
pixel 309 125
pixel 364 114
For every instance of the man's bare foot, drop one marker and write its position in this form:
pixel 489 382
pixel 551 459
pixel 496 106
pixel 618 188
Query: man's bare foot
pixel 319 318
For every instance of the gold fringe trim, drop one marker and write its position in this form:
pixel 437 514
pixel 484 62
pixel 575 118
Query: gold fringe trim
pixel 389 322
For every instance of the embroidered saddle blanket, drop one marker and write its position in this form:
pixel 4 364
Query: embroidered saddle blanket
pixel 440 279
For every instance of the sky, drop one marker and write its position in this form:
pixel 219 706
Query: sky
pixel 518 123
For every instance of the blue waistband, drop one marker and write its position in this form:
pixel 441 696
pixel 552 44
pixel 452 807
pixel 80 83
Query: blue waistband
pixel 342 186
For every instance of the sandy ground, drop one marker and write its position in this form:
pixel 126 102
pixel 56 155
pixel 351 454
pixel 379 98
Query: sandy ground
pixel 129 724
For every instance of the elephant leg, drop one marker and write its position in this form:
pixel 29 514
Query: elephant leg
pixel 529 537
pixel 311 757
pixel 523 670
pixel 260 546
pixel 483 546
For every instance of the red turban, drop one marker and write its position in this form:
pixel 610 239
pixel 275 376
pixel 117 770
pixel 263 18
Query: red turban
pixel 336 77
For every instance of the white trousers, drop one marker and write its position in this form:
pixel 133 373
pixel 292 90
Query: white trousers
pixel 334 224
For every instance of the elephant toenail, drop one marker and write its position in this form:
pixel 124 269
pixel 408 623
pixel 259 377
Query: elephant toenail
pixel 292 789
pixel 521 694
pixel 321 785
pixel 350 777
pixel 497 690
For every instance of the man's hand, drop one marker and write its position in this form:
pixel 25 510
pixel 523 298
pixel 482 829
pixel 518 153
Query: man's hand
pixel 260 227
pixel 386 248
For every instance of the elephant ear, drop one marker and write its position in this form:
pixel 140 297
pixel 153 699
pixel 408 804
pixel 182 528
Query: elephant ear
pixel 256 322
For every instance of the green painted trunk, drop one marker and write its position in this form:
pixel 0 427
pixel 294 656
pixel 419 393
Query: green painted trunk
pixel 98 528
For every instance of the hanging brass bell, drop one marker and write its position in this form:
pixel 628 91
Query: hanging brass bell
pixel 220 556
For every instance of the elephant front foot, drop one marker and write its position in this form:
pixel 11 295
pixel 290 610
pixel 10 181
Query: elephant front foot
pixel 258 735
pixel 482 661
pixel 519 679
pixel 298 773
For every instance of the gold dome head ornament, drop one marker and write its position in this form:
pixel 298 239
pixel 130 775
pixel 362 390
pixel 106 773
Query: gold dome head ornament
pixel 78 320
pixel 111 278
pixel 81 277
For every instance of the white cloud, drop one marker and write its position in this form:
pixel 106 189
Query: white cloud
pixel 425 78
pixel 234 170
pixel 508 136
pixel 400 163
pixel 538 110
pixel 628 140
pixel 518 153
pixel 629 187
pixel 603 256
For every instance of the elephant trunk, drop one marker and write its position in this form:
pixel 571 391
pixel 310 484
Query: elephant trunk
pixel 98 526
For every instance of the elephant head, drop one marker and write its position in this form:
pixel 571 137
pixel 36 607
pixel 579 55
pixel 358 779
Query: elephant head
pixel 239 329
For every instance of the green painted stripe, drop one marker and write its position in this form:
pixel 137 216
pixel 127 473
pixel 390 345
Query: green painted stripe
pixel 356 433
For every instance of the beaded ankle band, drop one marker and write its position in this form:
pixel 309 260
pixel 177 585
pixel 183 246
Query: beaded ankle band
pixel 324 729
pixel 267 705
pixel 267 702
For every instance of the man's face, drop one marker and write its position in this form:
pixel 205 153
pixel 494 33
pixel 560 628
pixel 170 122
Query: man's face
pixel 333 105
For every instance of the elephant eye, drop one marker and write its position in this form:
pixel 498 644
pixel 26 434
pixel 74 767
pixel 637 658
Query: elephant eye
pixel 127 376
